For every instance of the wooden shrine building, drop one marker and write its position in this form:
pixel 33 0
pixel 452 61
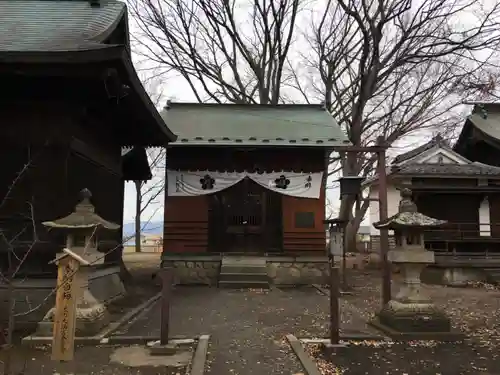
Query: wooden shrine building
pixel 247 179
pixel 449 186
pixel 71 101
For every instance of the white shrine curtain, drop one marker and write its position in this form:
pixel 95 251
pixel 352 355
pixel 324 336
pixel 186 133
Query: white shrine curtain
pixel 192 183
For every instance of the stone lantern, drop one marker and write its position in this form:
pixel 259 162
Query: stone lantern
pixel 411 314
pixel 82 227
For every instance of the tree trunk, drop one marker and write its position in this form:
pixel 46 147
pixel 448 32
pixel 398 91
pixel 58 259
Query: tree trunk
pixel 351 237
pixel 355 222
pixel 138 216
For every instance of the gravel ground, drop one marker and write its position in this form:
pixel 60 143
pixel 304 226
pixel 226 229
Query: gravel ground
pixel 475 311
pixel 88 360
pixel 247 327
pixel 142 287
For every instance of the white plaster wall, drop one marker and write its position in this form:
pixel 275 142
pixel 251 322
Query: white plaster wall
pixel 484 218
pixel 393 198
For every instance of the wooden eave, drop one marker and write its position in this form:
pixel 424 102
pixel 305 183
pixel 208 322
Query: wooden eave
pixel 470 135
pixel 447 176
pixel 95 54
pixel 438 189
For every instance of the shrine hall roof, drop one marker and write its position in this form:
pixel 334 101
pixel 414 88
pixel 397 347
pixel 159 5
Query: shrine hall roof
pixel 253 124
pixel 482 123
pixel 471 169
pixel 78 34
pixel 67 25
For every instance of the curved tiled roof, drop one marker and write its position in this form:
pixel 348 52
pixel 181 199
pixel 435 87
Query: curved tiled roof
pixel 438 140
pixel 78 31
pixel 253 125
pixel 34 25
pixel 472 169
pixel 484 120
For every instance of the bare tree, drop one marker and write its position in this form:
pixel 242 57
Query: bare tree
pixel 22 230
pixel 383 67
pixel 148 192
pixel 227 51
pixel 394 68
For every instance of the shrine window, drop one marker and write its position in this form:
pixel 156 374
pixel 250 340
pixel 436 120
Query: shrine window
pixel 79 240
pixel 413 239
pixel 304 220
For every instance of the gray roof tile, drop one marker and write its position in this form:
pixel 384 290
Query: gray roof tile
pixel 438 140
pixel 472 169
pixel 253 124
pixel 48 25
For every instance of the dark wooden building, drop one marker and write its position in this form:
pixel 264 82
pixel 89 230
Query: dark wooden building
pixel 248 179
pixel 71 101
pixel 451 187
pixel 448 185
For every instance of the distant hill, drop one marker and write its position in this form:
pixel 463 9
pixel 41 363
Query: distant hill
pixel 153 227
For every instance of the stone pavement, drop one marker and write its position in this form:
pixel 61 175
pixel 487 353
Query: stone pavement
pixel 247 327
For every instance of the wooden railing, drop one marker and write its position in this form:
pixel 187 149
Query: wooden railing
pixel 475 259
pixel 463 232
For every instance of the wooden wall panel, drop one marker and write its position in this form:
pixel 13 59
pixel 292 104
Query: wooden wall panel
pixel 494 200
pixel 297 239
pixel 460 210
pixel 192 212
pixel 240 159
pixel 186 224
pixel 38 136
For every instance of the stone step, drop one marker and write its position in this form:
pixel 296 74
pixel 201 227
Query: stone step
pixel 243 277
pixel 244 269
pixel 243 261
pixel 244 284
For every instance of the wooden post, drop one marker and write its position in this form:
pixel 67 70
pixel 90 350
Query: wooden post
pixel 63 343
pixel 166 275
pixel 384 233
pixel 344 257
pixel 334 305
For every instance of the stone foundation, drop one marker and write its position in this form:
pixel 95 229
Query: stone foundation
pixel 452 276
pixel 462 276
pixel 33 295
pixel 298 270
pixel 195 269
pixel 282 270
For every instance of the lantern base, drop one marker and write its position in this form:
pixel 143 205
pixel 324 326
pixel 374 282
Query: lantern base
pixel 446 336
pixel 415 321
pixel 89 321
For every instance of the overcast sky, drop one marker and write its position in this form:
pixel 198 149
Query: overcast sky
pixel 175 88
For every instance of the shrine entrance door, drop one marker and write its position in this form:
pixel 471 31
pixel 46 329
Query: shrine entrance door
pixel 244 217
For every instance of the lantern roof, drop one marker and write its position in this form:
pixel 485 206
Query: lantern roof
pixel 408 216
pixel 82 217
